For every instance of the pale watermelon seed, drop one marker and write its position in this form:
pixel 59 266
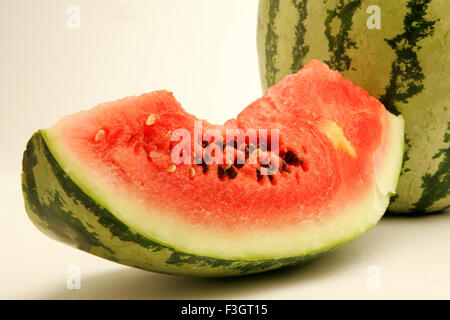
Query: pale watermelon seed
pixel 150 120
pixel 191 172
pixel 100 135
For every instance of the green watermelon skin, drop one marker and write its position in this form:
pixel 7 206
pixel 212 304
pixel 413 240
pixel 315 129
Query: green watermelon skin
pixel 61 210
pixel 405 64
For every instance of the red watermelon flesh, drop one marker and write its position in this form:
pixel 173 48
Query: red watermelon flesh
pixel 347 151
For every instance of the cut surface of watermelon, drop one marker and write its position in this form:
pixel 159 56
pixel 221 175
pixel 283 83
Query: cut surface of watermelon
pixel 104 180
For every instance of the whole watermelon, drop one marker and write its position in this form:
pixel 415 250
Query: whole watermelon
pixel 397 50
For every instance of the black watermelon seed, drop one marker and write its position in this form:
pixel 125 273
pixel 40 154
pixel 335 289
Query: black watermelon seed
pixel 285 167
pixel 259 175
pixel 239 165
pixel 290 157
pixel 270 177
pixel 232 172
pixel 221 172
pixel 301 160
pixel 205 167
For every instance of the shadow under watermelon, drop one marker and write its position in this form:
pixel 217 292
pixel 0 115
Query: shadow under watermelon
pixel 131 283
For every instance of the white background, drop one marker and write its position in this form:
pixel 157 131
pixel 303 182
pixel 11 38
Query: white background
pixel 205 52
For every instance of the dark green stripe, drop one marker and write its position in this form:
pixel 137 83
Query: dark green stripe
pixel 300 49
pixel 340 42
pixel 405 154
pixel 271 44
pixel 436 186
pixel 406 81
pixel 406 73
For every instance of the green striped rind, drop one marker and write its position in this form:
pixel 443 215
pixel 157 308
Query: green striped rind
pixel 300 49
pixel 432 182
pixel 339 41
pixel 405 64
pixel 406 67
pixel 60 209
pixel 270 42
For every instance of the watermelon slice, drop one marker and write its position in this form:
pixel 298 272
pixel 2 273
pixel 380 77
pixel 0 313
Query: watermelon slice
pixel 105 180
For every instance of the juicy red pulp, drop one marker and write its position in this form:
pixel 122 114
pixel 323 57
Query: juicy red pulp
pixel 312 170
